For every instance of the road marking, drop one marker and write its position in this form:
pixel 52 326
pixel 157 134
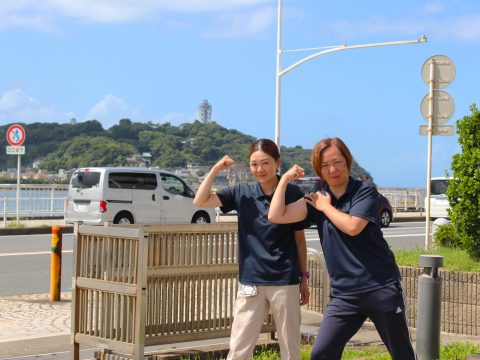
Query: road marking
pixel 33 253
pixel 403 235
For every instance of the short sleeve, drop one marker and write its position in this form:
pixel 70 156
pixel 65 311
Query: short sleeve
pixel 227 198
pixel 366 203
pixel 294 193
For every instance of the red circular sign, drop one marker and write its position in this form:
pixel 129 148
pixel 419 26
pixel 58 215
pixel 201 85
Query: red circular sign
pixel 16 135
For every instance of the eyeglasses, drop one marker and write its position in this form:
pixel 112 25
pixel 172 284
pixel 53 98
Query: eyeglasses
pixel 337 164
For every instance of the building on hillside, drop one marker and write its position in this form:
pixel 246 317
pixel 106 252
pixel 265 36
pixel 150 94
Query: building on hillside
pixel 239 173
pixel 137 160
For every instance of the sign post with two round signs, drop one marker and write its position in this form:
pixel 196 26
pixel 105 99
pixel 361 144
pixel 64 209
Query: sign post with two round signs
pixel 437 107
pixel 16 137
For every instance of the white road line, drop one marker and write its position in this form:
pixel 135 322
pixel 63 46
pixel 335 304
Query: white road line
pixel 404 235
pixel 33 253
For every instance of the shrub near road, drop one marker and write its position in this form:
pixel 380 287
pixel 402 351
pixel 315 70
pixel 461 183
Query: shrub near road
pixel 464 189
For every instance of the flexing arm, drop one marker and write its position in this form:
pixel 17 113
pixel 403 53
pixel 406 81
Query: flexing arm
pixel 292 213
pixel 204 196
pixel 350 225
pixel 302 261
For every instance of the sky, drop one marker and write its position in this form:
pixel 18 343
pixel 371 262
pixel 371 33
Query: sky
pixel 156 60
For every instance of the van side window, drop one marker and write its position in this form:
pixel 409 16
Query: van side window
pixel 439 186
pixel 85 179
pixel 176 186
pixel 139 181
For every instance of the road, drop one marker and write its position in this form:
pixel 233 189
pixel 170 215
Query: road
pixel 25 264
pixel 400 235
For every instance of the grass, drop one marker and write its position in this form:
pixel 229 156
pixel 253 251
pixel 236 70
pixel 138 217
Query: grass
pixel 454 351
pixel 453 259
pixel 17 225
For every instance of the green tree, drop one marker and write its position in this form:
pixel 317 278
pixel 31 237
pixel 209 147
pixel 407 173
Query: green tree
pixel 464 189
pixel 88 151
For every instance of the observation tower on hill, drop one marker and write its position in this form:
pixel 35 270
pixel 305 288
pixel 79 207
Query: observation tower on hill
pixel 205 112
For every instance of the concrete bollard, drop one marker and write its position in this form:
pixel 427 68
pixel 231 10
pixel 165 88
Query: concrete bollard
pixel 56 264
pixel 428 308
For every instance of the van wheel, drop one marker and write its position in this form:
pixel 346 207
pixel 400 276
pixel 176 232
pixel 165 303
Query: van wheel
pixel 385 218
pixel 201 218
pixel 123 218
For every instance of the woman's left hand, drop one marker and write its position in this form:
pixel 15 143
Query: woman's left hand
pixel 304 291
pixel 318 200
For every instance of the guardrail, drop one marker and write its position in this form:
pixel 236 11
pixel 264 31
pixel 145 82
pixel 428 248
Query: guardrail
pixel 35 200
pixel 137 286
pixel 404 199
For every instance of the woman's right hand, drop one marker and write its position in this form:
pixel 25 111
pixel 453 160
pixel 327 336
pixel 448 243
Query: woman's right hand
pixel 224 163
pixel 294 173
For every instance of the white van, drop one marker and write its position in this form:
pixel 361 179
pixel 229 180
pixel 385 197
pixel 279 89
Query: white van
pixel 438 200
pixel 131 196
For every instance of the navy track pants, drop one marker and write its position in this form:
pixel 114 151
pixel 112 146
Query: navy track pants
pixel 344 316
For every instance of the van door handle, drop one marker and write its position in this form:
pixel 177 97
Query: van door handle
pixel 153 197
pixel 165 197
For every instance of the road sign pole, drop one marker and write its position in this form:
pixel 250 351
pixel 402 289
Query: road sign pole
pixel 431 109
pixel 18 187
pixel 16 137
pixel 436 107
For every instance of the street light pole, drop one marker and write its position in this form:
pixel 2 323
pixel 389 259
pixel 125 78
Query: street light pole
pixel 279 70
pixel 332 49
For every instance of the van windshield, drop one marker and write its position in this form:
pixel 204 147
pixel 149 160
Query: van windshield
pixel 439 186
pixel 85 179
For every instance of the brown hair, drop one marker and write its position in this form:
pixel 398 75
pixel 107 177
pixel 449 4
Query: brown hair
pixel 322 145
pixel 265 145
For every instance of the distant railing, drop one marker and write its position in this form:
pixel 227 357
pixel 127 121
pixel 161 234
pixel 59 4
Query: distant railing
pixel 46 200
pixel 405 199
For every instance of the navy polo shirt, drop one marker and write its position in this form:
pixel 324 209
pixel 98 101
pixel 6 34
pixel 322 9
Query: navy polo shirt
pixel 359 263
pixel 267 251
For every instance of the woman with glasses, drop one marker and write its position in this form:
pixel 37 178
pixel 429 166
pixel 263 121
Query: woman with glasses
pixel 272 257
pixel 364 277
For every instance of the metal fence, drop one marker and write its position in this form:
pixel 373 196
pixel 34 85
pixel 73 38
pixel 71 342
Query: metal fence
pixel 403 199
pixel 34 201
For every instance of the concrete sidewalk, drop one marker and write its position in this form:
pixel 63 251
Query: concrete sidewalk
pixel 32 325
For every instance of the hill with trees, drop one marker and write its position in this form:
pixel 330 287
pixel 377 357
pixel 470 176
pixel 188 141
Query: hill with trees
pixel 73 145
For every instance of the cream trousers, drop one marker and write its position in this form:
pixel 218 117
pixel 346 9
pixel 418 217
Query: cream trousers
pixel 250 312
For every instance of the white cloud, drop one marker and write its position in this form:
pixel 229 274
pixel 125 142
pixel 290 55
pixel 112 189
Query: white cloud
pixel 17 106
pixel 110 110
pixel 243 24
pixel 42 14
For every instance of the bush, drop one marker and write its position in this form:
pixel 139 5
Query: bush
pixel 464 189
pixel 447 236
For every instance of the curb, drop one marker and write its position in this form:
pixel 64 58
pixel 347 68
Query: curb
pixel 34 230
pixel 408 218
